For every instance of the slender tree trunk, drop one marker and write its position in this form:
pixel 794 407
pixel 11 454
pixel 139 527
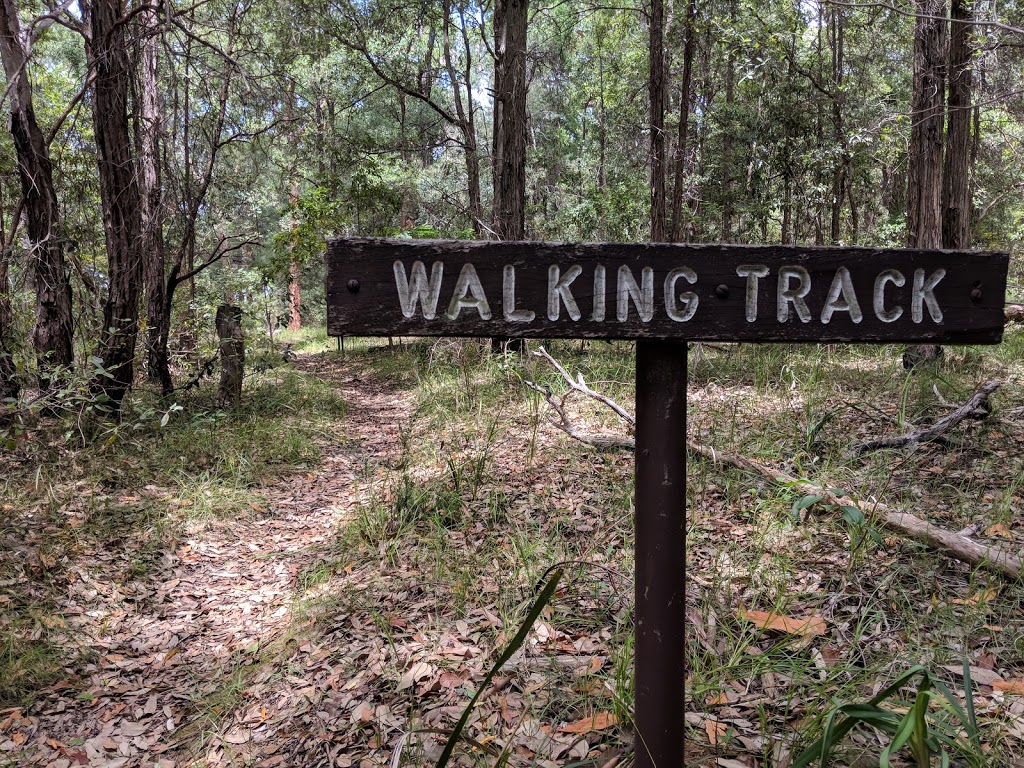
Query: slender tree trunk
pixel 656 91
pixel 294 268
pixel 119 194
pixel 728 182
pixel 465 117
pixel 52 337
pixel 841 170
pixel 958 170
pixel 294 297
pixel 232 354
pixel 10 387
pixel 924 213
pixel 684 120
pixel 158 321
pixel 510 30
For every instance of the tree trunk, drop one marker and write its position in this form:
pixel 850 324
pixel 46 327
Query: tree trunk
pixel 232 354
pixel 52 337
pixel 294 268
pixel 10 387
pixel 656 91
pixel 841 171
pixel 957 171
pixel 684 120
pixel 119 195
pixel 158 320
pixel 728 182
pixel 294 297
pixel 510 30
pixel 509 163
pixel 924 214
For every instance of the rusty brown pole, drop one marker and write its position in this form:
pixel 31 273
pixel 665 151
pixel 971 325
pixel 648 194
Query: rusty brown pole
pixel 660 488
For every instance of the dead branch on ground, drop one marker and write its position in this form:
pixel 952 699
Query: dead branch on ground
pixel 977 407
pixel 954 544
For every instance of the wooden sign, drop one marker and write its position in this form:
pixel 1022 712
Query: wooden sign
pixel 379 287
pixel 662 295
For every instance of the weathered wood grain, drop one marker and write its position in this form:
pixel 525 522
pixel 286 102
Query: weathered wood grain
pixel 737 293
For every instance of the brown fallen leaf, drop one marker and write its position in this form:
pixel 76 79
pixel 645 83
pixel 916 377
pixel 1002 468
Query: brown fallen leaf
pixel 599 722
pixel 1000 530
pixel 985 596
pixel 1012 687
pixel 715 731
pixel 809 627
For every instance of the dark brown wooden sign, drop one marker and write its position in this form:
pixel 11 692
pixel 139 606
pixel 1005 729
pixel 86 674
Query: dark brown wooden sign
pixel 378 287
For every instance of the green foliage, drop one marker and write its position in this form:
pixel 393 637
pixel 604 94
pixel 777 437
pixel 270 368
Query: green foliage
pixel 928 724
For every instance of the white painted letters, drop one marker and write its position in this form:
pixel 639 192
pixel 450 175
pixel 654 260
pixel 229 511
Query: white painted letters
pixel 469 293
pixel 923 293
pixel 508 298
pixel 689 299
pixel 680 300
pixel 558 288
pixel 842 285
pixel 626 289
pixel 752 272
pixel 421 290
pixel 599 281
pixel 888 276
pixel 794 296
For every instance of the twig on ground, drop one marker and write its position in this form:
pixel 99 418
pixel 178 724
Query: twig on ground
pixel 977 407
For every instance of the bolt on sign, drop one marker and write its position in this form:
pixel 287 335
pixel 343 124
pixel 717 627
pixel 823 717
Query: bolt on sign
pixel 662 295
pixel 633 291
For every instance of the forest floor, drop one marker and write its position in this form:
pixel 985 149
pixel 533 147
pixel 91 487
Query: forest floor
pixel 323 576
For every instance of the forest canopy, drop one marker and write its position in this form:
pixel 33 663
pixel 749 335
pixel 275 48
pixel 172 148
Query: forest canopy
pixel 164 159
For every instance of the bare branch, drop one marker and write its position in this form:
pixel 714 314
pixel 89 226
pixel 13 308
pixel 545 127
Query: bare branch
pixel 581 386
pixel 977 406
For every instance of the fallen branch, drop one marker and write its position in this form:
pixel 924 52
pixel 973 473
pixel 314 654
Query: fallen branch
pixel 955 545
pixel 976 407
pixel 959 547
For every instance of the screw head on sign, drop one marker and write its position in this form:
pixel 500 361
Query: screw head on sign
pixel 722 291
pixel 353 285
pixel 976 295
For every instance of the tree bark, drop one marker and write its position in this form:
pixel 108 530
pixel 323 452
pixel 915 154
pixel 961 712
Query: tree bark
pixel 119 195
pixel 52 336
pixel 158 321
pixel 656 91
pixel 232 354
pixel 510 31
pixel 10 387
pixel 684 120
pixel 957 170
pixel 465 119
pixel 924 214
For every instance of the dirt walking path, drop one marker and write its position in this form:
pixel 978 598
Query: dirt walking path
pixel 195 663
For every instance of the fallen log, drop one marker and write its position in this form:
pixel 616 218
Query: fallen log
pixel 955 545
pixel 959 547
pixel 976 407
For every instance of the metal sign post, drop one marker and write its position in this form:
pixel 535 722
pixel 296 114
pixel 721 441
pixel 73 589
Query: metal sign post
pixel 661 294
pixel 660 583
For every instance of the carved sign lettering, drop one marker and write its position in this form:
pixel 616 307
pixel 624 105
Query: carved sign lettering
pixel 695 292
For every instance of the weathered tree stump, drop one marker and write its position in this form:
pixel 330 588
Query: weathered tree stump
pixel 232 354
